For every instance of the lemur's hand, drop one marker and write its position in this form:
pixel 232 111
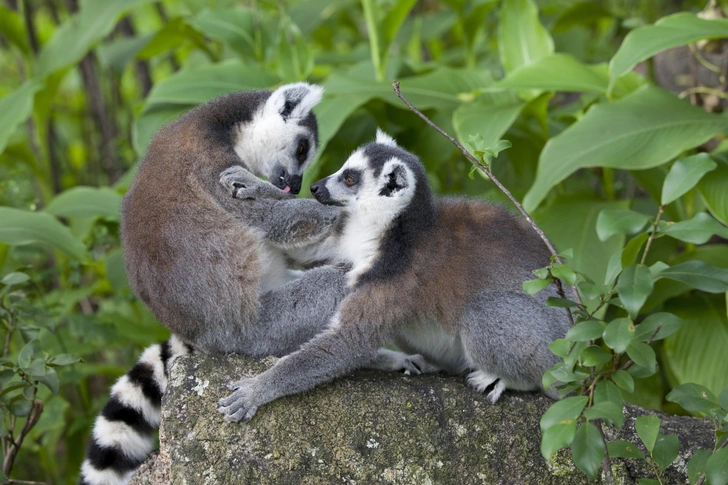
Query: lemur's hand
pixel 241 404
pixel 243 184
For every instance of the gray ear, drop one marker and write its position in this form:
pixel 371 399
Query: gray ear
pixel 395 177
pixel 294 101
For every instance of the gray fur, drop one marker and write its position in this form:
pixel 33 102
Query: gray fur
pixel 443 278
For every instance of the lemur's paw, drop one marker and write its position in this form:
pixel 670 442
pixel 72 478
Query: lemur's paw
pixel 240 405
pixel 416 364
pixel 480 380
pixel 241 183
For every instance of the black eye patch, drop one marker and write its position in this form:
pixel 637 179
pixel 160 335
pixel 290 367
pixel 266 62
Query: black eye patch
pixel 351 177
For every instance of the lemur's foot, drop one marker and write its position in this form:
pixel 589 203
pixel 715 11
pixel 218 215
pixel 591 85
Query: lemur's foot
pixel 392 360
pixel 242 184
pixel 480 381
pixel 240 405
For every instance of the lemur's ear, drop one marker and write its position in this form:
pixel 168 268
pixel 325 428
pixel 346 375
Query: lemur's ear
pixel 394 176
pixel 294 101
pixel 385 139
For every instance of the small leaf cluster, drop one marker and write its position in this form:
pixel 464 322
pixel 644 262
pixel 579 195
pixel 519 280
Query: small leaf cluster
pixel 485 153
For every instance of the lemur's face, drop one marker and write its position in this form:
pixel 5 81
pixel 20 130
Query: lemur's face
pixel 281 139
pixel 374 179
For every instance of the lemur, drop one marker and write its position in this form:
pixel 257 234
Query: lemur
pixel 440 277
pixel 212 268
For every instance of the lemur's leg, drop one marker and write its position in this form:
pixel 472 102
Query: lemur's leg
pixel 343 348
pixel 296 312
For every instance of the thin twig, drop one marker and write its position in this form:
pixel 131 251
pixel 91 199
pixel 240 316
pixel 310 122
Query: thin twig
pixel 606 466
pixel 27 482
pixel 15 444
pixel 654 232
pixel 502 187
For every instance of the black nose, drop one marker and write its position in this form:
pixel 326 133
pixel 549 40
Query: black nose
pixel 295 183
pixel 314 188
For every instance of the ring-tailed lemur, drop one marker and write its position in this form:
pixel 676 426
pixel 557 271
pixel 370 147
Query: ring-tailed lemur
pixel 441 277
pixel 211 268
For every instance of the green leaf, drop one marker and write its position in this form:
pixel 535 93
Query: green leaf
pixel 570 222
pixel 585 331
pixel 557 72
pixel 666 450
pixel 77 35
pixel 117 54
pixel 588 449
pixel 606 410
pixel 624 380
pixel 532 287
pixel 560 302
pixel 19 227
pixel 15 108
pixel 564 273
pixel 712 189
pixel 86 202
pixel 521 38
pixel 233 26
pixel 63 360
pixel 172 35
pixel 50 380
pixel 684 175
pixel 28 351
pixel 13 28
pixel 634 286
pixel 295 60
pixel 697 230
pixel 608 392
pixel 565 410
pixel 624 449
pixel 723 398
pixel 642 355
pixel 645 129
pixel 15 278
pixel 668 32
pixel 21 407
pixel 667 322
pixel 618 334
pixel 6 375
pixel 648 428
pixel 612 222
pixel 716 468
pixel 595 356
pixel 699 275
pixel 694 397
pixel 632 249
pixel 696 465
pixel 558 436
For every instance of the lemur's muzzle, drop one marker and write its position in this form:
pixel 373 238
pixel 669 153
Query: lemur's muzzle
pixel 286 182
pixel 322 194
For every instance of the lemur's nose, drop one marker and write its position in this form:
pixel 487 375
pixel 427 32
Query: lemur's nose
pixel 314 188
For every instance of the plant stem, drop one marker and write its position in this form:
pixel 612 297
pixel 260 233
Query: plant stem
pixel 502 187
pixel 30 421
pixel 654 232
pixel 606 464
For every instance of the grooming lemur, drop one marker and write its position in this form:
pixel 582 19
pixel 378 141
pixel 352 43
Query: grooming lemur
pixel 213 269
pixel 440 277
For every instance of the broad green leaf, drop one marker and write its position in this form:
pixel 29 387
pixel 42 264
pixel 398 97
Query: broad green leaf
pixel 595 356
pixel 21 407
pixel 648 427
pixel 612 222
pixel 684 175
pixel 63 360
pixel 570 223
pixel 699 275
pixel 642 130
pixel 521 38
pixel 642 355
pixel 27 353
pixel 624 380
pixel 694 397
pixel 19 227
pixel 668 32
pixel 232 26
pixel 634 286
pixel 697 230
pixel 171 36
pixel 565 410
pixel 723 398
pixel 86 202
pixel 581 14
pixel 73 39
pixel 696 465
pixel 632 249
pixel 14 278
pixel 295 60
pixel 532 287
pixel 624 449
pixel 560 302
pixel 50 380
pixel 606 410
pixel 716 467
pixel 667 322
pixel 588 449
pixel 564 273
pixel 705 334
pixel 489 116
pixel 558 436
pixel 119 53
pixel 15 108
pixel 618 334
pixel 13 28
pixel 666 450
pixel 712 189
pixel 557 72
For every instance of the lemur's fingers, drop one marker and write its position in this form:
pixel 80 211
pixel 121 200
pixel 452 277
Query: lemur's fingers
pixel 240 405
pixel 242 184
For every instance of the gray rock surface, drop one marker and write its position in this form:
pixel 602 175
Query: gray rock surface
pixel 372 427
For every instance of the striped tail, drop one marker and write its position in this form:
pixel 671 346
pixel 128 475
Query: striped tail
pixel 122 434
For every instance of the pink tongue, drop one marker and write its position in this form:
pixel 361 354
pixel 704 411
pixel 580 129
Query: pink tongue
pixel 287 189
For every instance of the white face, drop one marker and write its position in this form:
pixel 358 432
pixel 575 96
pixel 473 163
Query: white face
pixel 277 143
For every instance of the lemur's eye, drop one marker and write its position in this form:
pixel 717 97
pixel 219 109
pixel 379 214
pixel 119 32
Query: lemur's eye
pixel 302 151
pixel 350 181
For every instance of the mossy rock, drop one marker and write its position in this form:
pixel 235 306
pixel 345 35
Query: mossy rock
pixel 371 427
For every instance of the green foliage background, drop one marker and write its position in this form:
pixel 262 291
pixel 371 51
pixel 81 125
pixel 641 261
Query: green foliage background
pixel 84 85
